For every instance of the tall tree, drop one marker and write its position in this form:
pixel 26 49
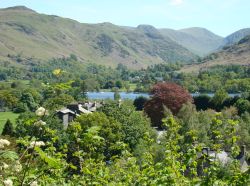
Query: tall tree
pixel 169 95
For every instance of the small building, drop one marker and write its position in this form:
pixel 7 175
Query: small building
pixel 66 116
pixel 69 113
pixel 207 156
pixel 91 106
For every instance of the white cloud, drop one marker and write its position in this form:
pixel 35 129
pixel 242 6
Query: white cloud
pixel 177 2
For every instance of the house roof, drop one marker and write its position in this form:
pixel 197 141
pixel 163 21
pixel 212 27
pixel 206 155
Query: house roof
pixel 225 158
pixel 83 110
pixel 222 156
pixel 65 111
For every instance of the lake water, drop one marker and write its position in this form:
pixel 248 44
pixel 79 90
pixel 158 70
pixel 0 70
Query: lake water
pixel 110 95
pixel 130 95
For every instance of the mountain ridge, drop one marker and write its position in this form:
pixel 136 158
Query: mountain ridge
pixel 199 40
pixel 21 8
pixel 28 33
pixel 235 37
pixel 236 54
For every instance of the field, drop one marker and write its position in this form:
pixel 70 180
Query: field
pixel 7 115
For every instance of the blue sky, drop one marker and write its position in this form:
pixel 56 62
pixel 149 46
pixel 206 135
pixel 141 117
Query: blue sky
pixel 220 16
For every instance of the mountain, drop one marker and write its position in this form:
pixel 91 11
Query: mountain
pixel 238 53
pixel 235 37
pixel 28 34
pixel 198 40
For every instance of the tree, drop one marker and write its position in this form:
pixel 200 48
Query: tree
pixel 109 84
pixel 3 76
pixel 118 84
pixel 117 96
pixel 78 90
pixel 21 107
pixel 127 86
pixel 202 102
pixel 134 124
pixel 92 84
pixel 139 102
pixel 28 99
pixel 7 99
pixel 96 136
pixel 243 105
pixel 218 99
pixel 168 94
pixel 8 128
pixel 189 118
pixel 73 57
pixel 59 101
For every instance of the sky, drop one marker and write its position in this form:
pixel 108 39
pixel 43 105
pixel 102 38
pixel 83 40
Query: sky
pixel 222 17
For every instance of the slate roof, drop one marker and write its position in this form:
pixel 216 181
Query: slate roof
pixel 65 111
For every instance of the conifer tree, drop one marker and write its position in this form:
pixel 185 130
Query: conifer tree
pixel 8 128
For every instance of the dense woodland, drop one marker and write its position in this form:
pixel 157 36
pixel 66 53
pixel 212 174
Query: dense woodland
pixel 231 78
pixel 148 141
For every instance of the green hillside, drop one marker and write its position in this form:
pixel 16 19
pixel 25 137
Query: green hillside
pixel 25 33
pixel 235 37
pixel 198 40
pixel 237 54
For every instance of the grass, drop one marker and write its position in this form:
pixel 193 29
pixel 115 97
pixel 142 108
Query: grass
pixel 4 116
pixel 132 86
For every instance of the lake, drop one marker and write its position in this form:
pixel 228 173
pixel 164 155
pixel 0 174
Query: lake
pixel 130 95
pixel 110 95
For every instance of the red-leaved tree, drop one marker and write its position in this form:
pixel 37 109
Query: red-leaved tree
pixel 169 95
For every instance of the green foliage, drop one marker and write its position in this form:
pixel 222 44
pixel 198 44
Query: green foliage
pixel 117 145
pixel 28 99
pixel 139 102
pixel 117 96
pixel 7 99
pixel 96 136
pixel 202 102
pixel 118 84
pixel 219 98
pixel 8 128
pixel 93 151
pixel 243 105
pixel 134 124
pixel 58 101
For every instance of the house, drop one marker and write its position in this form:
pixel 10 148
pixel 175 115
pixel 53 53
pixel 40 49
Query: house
pixel 69 113
pixel 207 156
pixel 66 116
pixel 92 106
